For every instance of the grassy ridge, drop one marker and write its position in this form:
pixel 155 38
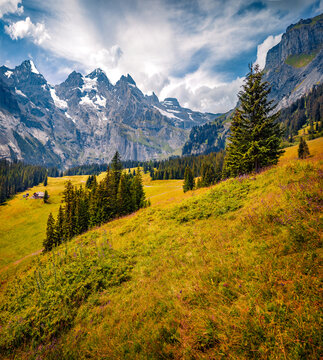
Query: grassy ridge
pixel 232 272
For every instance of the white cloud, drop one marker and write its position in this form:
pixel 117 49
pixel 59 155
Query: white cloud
pixel 216 97
pixel 320 7
pixel 264 47
pixel 26 29
pixel 10 6
pixel 173 48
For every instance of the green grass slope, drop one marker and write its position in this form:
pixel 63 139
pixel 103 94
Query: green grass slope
pixel 231 272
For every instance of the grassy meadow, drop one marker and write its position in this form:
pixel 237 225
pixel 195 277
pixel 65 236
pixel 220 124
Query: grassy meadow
pixel 228 272
pixel 23 222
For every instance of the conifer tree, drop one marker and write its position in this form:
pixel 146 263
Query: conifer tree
pixel 69 210
pixel 59 226
pixel 46 197
pixel 50 240
pixel 108 205
pixel 116 170
pixel 255 133
pixel 124 196
pixel 89 181
pixel 303 150
pixel 138 193
pixel 208 174
pixel 189 182
pixel 46 180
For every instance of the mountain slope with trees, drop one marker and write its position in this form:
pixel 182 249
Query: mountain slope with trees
pixel 17 176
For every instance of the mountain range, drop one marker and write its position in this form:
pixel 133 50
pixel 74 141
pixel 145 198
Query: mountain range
pixel 86 119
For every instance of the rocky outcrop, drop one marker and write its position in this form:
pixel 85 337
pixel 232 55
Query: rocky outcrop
pixel 296 64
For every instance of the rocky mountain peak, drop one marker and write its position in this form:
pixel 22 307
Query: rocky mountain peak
pixel 127 79
pixel 152 99
pixel 75 79
pixel 171 102
pixel 28 66
pixel 101 78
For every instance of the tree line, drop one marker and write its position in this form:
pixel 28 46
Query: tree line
pixel 16 176
pixel 119 193
pixel 307 110
pixel 87 169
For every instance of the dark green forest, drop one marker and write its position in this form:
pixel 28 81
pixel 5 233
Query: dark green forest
pixel 17 176
pixel 88 169
pixel 308 110
pixel 118 194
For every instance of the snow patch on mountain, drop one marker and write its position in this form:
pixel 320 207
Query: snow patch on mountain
pixel 101 101
pixel 89 84
pixel 33 67
pixel 70 117
pixel 169 115
pixel 85 100
pixel 61 104
pixel 173 111
pixel 8 73
pixel 18 92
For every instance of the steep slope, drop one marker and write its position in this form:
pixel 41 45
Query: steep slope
pixel 86 119
pixel 209 137
pixel 231 273
pixel 296 64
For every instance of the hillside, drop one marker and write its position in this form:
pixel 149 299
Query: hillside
pixel 226 272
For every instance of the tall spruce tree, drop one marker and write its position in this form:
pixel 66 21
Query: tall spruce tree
pixel 303 150
pixel 50 240
pixel 59 226
pixel 188 179
pixel 116 170
pixel 124 197
pixel 46 197
pixel 255 133
pixel 138 194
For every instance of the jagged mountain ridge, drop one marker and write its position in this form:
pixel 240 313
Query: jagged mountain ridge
pixel 86 119
pixel 293 67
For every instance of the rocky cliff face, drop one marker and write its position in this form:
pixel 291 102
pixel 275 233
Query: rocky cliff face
pixel 86 119
pixel 292 68
pixel 296 64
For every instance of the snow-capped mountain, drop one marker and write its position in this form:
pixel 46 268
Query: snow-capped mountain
pixel 86 119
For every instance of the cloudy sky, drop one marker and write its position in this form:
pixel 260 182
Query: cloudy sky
pixel 195 50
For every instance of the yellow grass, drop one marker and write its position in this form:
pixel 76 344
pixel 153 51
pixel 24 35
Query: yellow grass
pixel 23 222
pixel 229 272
